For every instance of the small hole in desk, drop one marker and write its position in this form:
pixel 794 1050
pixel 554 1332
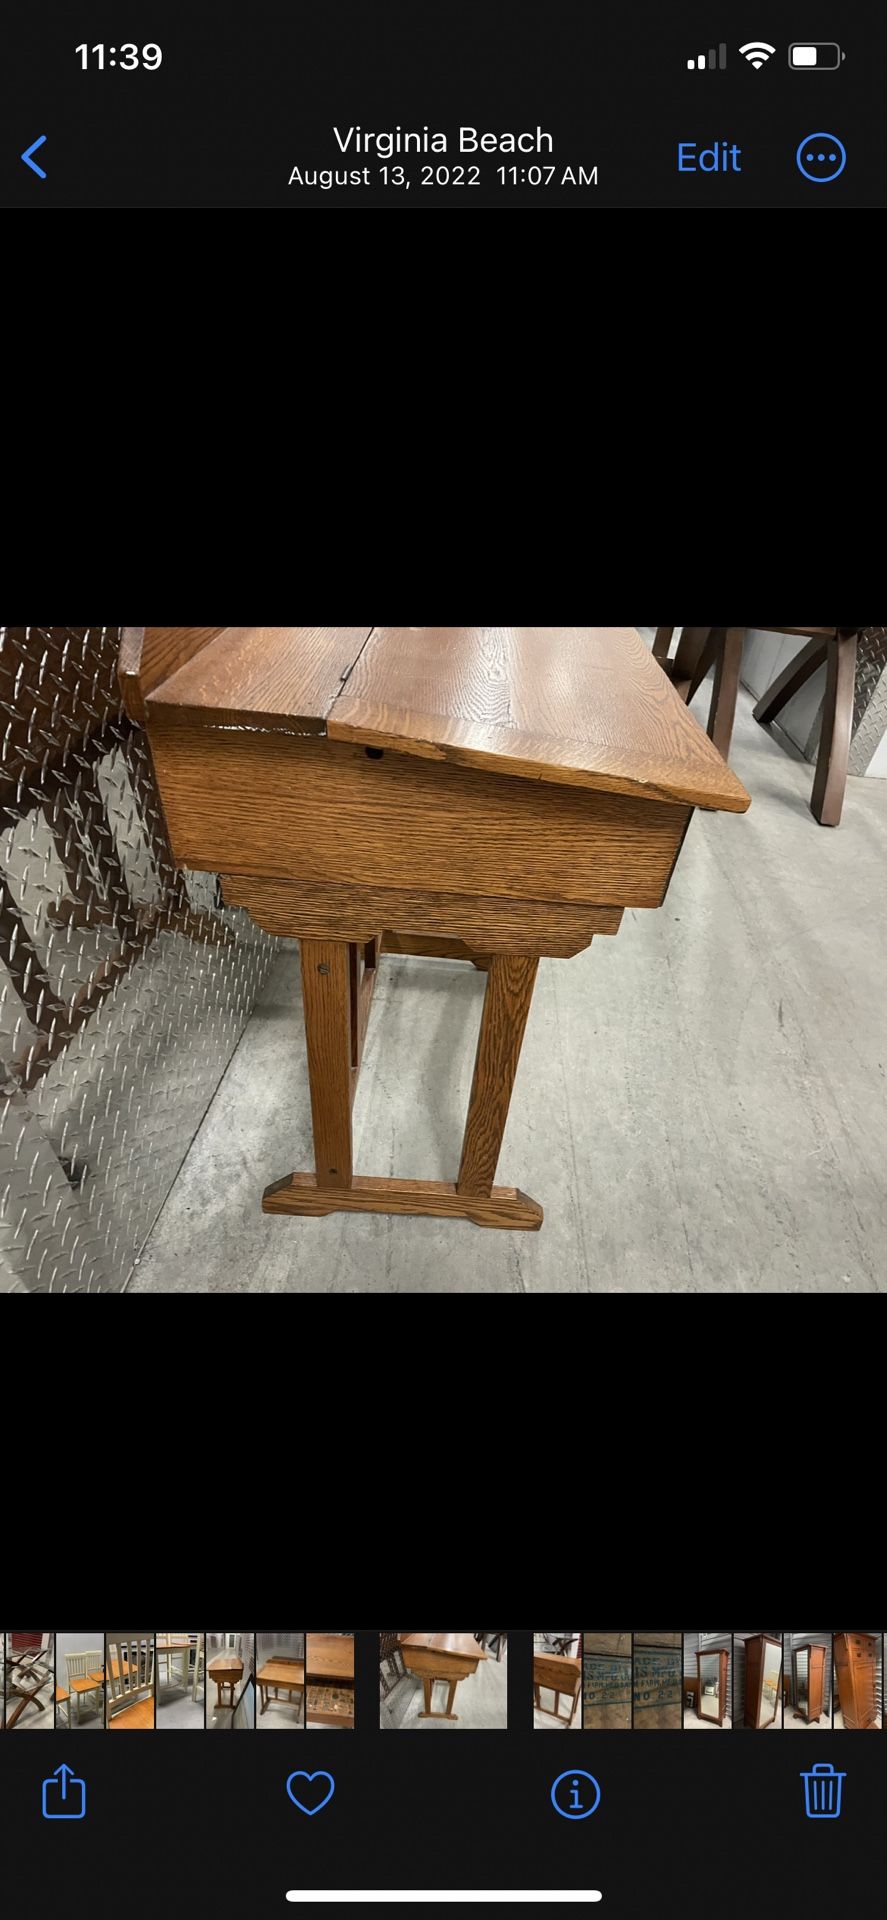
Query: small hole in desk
pixel 374 753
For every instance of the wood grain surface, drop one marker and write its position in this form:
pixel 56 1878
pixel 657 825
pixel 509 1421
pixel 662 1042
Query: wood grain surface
pixel 585 706
pixel 321 810
pixel 326 1000
pixel 300 908
pixel 461 1645
pixel 607 1643
pixel 283 677
pixel 506 1005
pixel 329 1656
pixel 148 655
pixel 577 706
pixel 505 1207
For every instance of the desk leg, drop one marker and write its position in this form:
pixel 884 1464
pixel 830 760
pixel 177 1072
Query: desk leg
pixel 428 1687
pixel 326 994
pixel 506 1005
pixel 330 1015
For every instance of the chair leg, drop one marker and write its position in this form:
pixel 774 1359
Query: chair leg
pixel 707 657
pixel 837 723
pixel 662 642
pixel 728 660
pixel 790 679
pixel 692 647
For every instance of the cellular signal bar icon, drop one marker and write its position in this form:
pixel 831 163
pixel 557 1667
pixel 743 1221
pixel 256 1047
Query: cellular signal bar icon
pixel 714 59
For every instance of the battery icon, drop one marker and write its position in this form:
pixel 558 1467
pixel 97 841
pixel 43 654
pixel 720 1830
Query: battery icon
pixel 809 56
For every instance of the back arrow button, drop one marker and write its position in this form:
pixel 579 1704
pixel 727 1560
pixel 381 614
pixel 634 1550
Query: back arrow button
pixel 26 156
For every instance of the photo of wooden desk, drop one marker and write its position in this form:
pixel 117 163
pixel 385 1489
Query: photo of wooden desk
pixel 226 1671
pixel 441 1656
pixel 279 1676
pixel 329 1675
pixel 558 1673
pixel 488 793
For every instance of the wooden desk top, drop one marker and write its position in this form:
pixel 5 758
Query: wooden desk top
pixel 282 1673
pixel 463 1645
pixel 167 1645
pixel 580 706
pixel 330 1656
pixel 225 1663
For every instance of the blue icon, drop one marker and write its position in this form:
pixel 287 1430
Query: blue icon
pixel 822 1791
pixel 574 1801
pixel 26 156
pixel 821 157
pixel 64 1796
pixel 310 1777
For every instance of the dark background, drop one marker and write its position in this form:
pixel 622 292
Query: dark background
pixel 244 94
pixel 179 1825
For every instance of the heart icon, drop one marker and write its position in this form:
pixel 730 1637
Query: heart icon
pixel 311 1777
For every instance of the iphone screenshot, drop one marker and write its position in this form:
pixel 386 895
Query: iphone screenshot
pixel 443 103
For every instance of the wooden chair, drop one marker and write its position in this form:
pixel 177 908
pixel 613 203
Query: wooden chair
pixel 80 1666
pixel 836 648
pixel 129 1679
pixel 700 648
pixel 62 1699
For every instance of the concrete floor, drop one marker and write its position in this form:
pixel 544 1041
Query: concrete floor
pixel 546 1722
pixel 693 1724
pixel 281 1713
pixel 175 1708
pixel 699 1106
pixel 32 1719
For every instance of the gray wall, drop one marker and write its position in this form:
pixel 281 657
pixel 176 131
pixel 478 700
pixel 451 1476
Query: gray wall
pixel 76 1643
pixel 291 1645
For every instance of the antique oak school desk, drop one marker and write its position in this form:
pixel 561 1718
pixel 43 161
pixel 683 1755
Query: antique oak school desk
pixel 440 1656
pixel 488 793
pixel 558 1673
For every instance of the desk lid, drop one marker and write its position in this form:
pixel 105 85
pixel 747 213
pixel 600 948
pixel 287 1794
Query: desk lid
pixel 582 706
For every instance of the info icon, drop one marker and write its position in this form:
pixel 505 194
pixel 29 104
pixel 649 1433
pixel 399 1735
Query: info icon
pixel 575 1794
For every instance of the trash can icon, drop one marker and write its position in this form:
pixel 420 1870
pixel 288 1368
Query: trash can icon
pixel 822 1790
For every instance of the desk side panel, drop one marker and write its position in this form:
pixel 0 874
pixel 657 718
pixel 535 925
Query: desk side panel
pixel 319 810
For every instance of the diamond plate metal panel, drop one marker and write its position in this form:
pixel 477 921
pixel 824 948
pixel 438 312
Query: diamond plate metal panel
pixel 124 986
pixel 870 697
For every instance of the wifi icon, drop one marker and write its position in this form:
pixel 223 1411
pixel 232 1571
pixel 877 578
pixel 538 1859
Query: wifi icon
pixel 756 52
